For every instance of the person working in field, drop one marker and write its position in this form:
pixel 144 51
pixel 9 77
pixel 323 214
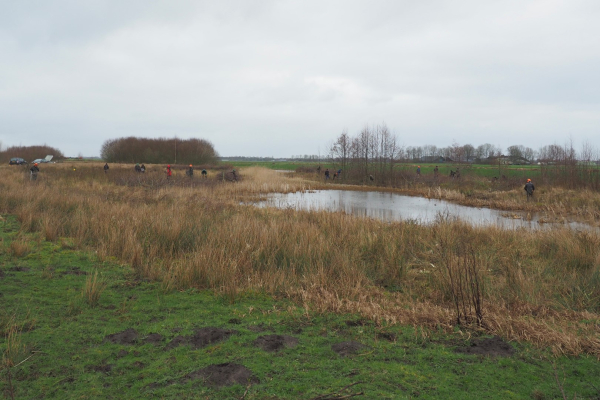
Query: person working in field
pixel 436 171
pixel 190 171
pixel 204 173
pixel 529 188
pixel 106 168
pixel 33 172
pixel 138 168
pixel 418 170
pixel 169 172
pixel 327 174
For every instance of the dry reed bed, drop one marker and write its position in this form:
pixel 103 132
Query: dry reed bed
pixel 543 287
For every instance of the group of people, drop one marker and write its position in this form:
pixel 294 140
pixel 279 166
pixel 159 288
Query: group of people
pixel 140 168
pixel 436 172
pixel 336 174
pixel 190 171
pixel 529 187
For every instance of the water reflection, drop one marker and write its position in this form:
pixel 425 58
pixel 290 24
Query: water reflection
pixel 395 207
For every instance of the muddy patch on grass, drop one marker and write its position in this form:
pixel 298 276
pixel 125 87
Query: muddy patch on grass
pixel 202 338
pixel 258 328
pixel 205 336
pixel 275 342
pixel 154 338
pixel 104 368
pixel 177 341
pixel 494 346
pixel 347 348
pixel 74 271
pixel 19 269
pixel 224 375
pixel 128 336
pixel 390 337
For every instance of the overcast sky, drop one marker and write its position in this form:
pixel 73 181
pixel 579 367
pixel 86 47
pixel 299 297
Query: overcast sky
pixel 280 78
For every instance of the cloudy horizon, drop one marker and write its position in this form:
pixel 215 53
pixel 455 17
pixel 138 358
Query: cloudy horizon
pixel 282 78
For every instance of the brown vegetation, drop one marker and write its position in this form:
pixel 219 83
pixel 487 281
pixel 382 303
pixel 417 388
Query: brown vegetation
pixel 538 286
pixel 156 151
pixel 30 153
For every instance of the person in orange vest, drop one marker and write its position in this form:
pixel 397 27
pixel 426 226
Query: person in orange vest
pixel 169 172
pixel 529 188
pixel 34 171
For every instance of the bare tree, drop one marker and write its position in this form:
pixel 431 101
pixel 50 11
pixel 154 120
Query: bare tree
pixel 515 153
pixel 340 149
pixel 468 151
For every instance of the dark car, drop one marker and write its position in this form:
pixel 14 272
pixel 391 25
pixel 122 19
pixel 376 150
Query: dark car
pixel 17 161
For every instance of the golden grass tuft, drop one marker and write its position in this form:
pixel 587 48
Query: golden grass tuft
pixel 19 248
pixel 92 289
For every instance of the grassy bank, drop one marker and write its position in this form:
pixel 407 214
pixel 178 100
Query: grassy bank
pixel 542 288
pixel 73 325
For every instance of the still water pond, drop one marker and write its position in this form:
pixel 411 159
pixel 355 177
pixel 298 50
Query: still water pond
pixel 395 207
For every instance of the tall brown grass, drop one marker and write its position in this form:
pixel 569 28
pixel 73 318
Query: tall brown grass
pixel 540 286
pixel 19 247
pixel 92 289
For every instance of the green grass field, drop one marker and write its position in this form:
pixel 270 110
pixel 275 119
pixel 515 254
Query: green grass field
pixel 60 346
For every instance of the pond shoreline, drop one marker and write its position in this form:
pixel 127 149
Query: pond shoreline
pixel 394 206
pixel 554 205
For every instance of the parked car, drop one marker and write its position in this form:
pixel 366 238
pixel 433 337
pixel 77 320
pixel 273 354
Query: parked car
pixel 48 159
pixel 17 161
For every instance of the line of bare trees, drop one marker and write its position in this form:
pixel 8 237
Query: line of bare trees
pixel 375 151
pixel 159 151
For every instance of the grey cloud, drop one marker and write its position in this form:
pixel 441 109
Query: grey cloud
pixel 283 77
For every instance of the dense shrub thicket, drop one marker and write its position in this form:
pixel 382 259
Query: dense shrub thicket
pixel 159 151
pixel 30 153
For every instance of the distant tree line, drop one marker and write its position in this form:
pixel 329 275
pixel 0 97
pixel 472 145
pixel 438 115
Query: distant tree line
pixel 159 151
pixel 30 153
pixel 375 151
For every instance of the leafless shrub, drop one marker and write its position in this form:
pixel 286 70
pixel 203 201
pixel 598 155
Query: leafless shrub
pixel 464 283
